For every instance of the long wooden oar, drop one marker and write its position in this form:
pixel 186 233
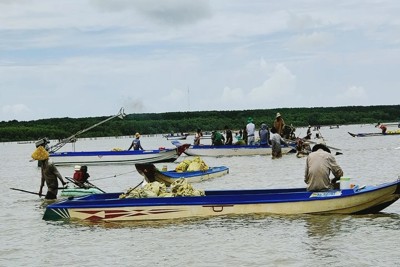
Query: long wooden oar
pixel 94 186
pixel 25 191
pixel 312 142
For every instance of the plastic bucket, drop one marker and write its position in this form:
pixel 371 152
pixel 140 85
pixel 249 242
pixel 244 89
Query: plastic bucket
pixel 345 183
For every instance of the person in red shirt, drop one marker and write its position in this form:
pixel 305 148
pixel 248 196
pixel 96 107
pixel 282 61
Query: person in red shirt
pixel 382 127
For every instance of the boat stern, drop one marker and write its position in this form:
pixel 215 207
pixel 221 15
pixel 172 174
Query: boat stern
pixel 55 214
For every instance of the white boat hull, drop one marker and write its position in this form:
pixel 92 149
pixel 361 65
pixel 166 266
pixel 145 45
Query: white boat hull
pixel 113 157
pixel 232 151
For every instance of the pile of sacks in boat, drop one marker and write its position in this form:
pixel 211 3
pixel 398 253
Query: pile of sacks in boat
pixel 196 164
pixel 178 188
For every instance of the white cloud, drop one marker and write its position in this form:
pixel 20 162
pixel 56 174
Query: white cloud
pixel 315 40
pixel 15 111
pixel 172 12
pixel 353 94
pixel 232 95
pixel 281 82
pixel 300 22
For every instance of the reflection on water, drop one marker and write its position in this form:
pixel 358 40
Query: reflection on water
pixel 323 226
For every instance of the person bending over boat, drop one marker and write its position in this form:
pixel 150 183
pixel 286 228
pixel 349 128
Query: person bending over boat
pixel 382 127
pixel 239 140
pixel 319 164
pixel 49 173
pixel 136 143
pixel 217 138
pixel 276 141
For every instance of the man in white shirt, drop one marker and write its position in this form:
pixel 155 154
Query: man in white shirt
pixel 250 128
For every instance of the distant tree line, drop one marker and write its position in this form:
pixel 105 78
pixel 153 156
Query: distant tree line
pixel 176 122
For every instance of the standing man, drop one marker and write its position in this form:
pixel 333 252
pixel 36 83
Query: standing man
pixel 250 129
pixel 136 143
pixel 319 164
pixel 229 136
pixel 49 173
pixel 197 137
pixel 279 124
pixel 308 136
pixel 264 135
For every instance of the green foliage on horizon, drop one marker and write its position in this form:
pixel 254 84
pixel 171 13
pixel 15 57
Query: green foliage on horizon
pixel 155 123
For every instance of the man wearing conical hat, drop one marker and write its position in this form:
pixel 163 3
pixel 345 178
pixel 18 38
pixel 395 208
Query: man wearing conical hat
pixel 279 124
pixel 49 172
pixel 136 143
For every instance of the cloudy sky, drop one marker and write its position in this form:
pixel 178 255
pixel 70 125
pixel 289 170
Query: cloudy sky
pixel 86 58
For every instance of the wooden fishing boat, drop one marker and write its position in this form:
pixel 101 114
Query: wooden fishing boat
pixel 109 207
pixel 232 150
pixel 206 135
pixel 176 136
pixel 388 133
pixel 116 157
pixel 151 174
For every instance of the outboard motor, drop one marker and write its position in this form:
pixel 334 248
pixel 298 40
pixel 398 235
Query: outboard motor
pixel 43 142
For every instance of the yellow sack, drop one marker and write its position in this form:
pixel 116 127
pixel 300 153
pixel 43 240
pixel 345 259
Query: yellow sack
pixel 204 166
pixel 182 167
pixel 197 159
pixel 197 164
pixel 40 154
pixel 194 166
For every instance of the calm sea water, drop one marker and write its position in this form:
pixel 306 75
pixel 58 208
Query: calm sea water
pixel 368 240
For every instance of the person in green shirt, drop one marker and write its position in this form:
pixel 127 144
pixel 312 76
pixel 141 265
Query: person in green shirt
pixel 217 138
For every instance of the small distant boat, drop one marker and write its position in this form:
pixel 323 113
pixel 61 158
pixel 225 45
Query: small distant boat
pixel 206 135
pixel 334 127
pixel 231 150
pixel 151 174
pixel 110 207
pixel 176 136
pixel 116 156
pixel 388 133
